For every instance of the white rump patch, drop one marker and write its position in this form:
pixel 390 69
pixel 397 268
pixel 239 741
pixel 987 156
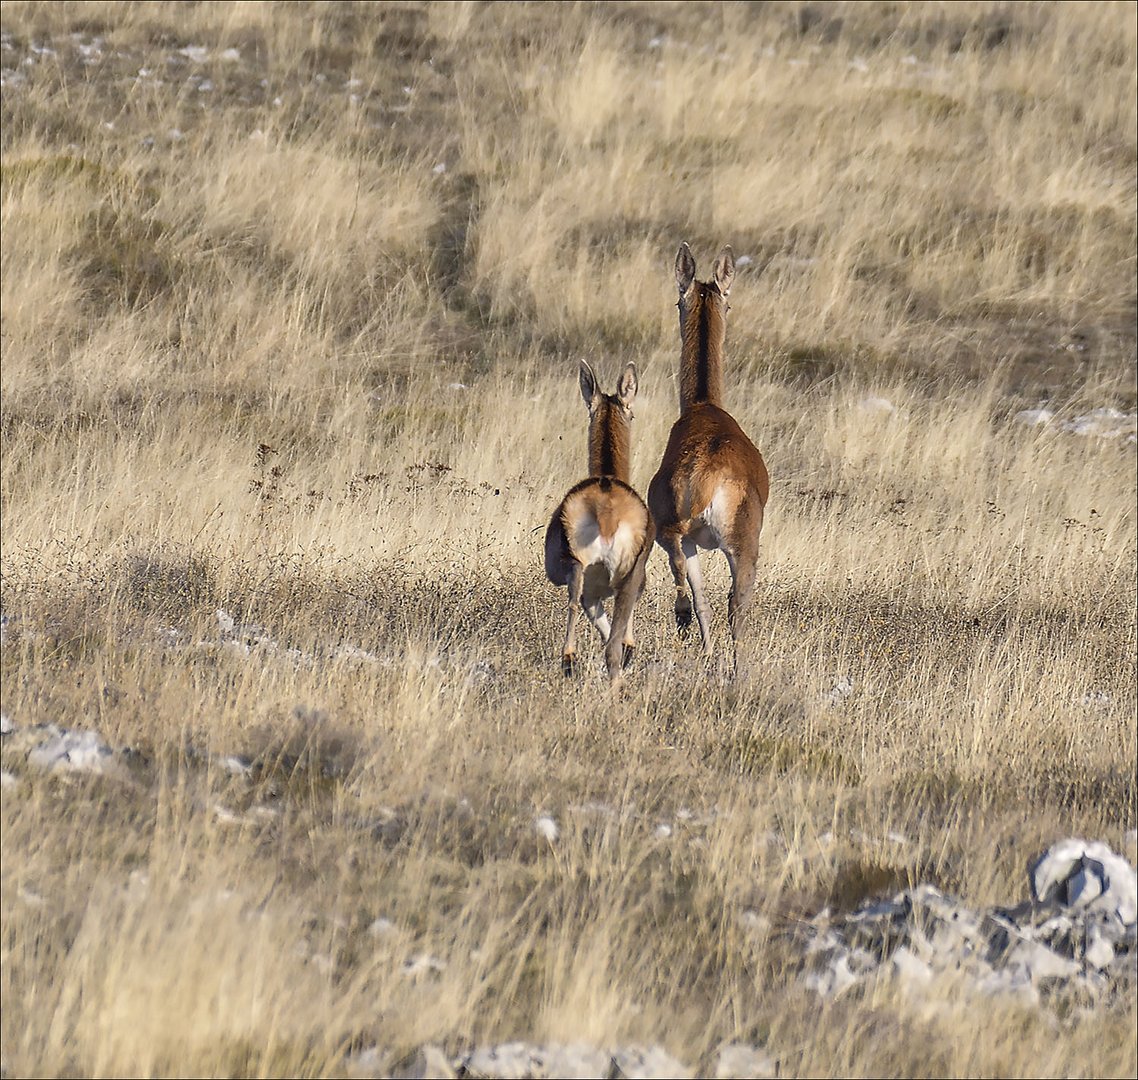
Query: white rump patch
pixel 616 554
pixel 715 518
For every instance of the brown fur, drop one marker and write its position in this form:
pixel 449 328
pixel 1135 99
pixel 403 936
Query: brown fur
pixel 599 538
pixel 712 485
pixel 701 355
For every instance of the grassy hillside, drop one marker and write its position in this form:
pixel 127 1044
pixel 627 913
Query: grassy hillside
pixel 292 302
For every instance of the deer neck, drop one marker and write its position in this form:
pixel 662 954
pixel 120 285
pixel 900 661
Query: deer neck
pixel 609 442
pixel 703 328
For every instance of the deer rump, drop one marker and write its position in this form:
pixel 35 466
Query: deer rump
pixel 601 523
pixel 710 467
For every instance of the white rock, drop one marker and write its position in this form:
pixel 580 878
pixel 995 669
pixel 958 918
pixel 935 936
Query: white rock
pixel 910 968
pixel 1120 882
pixel 1084 887
pixel 423 964
pixel 8 781
pixel 519 1060
pixel 1039 961
pixel 950 922
pixel 877 406
pixel 61 750
pixel 1034 417
pixel 1100 950
pixel 230 55
pixel 647 1063
pixel 5 724
pixel 1096 699
pixel 1016 981
pixel 236 765
pixel 754 922
pixel 833 978
pixel 875 912
pixel 1056 928
pixel 577 1062
pixel 427 1062
pixel 839 692
pixel 547 827
pixel 226 816
pixel 364 1062
pixel 381 927
pixel 1074 873
pixel 738 1061
pixel 509 1061
pixel 1105 423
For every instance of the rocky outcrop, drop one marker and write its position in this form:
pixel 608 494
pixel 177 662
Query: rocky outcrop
pixel 1076 933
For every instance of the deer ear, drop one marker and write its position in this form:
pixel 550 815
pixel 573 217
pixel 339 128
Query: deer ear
pixel 725 269
pixel 588 384
pixel 626 391
pixel 685 268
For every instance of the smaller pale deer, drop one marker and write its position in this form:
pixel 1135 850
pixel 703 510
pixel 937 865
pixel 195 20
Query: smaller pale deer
pixel 600 536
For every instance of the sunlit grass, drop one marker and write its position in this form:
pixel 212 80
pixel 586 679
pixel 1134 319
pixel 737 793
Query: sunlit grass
pixel 288 395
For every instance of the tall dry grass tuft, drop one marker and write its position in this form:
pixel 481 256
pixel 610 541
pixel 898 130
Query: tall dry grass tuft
pixel 292 301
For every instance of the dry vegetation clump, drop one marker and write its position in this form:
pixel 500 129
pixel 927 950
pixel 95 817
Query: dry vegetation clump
pixel 292 299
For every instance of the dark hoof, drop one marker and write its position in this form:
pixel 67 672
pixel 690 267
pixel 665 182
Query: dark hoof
pixel 626 659
pixel 683 619
pixel 568 668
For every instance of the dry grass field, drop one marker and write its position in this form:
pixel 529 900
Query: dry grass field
pixel 293 297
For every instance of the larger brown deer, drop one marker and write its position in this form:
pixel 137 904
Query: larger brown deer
pixel 712 486
pixel 600 536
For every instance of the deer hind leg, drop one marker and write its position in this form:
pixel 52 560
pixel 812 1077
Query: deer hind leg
pixel 614 649
pixel 695 581
pixel 674 547
pixel 742 585
pixel 739 601
pixel 576 583
pixel 742 557
pixel 622 644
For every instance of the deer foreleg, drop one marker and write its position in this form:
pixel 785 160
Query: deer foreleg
pixel 576 584
pixel 595 609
